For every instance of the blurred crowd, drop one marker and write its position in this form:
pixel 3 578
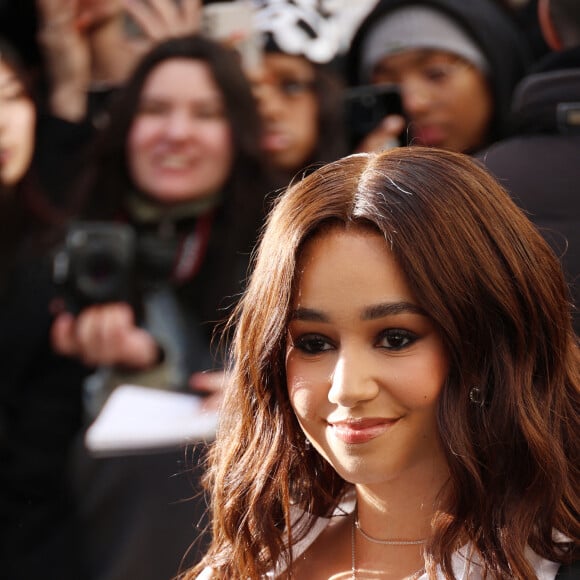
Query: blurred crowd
pixel 141 145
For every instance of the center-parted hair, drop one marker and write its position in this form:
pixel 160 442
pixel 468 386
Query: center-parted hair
pixel 495 292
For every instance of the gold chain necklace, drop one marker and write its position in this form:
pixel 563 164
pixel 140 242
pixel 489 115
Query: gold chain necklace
pixel 396 542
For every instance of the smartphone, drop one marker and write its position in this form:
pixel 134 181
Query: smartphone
pixel 366 106
pixel 232 23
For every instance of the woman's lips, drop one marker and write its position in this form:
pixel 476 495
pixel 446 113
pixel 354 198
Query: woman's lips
pixel 360 430
pixel 274 141
pixel 429 135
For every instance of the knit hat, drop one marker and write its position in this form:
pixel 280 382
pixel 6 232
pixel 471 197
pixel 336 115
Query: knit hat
pixel 416 27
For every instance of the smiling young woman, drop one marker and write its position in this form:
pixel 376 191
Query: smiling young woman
pixel 365 364
pixel 403 401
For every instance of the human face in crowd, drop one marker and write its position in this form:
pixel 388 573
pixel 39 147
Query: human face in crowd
pixel 17 126
pixel 180 143
pixel 448 101
pixel 284 88
pixel 364 365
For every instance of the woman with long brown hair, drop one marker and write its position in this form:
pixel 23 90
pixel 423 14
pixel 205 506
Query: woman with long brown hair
pixel 404 396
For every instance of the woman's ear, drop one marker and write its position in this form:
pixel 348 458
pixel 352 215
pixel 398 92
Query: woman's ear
pixel 547 27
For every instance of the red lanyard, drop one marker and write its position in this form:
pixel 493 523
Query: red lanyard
pixel 192 250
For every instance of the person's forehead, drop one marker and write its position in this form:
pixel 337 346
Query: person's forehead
pixel 278 63
pixel 416 57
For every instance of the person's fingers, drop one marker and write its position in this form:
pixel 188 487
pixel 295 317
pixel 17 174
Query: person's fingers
pixel 394 124
pixel 166 11
pixel 139 350
pixel 212 385
pixel 192 14
pixel 208 381
pixel 104 335
pixel 114 339
pixel 146 18
pixel 89 335
pixel 63 335
pixel 213 402
pixel 54 9
pixel 116 323
pixel 385 136
pixel 161 19
pixel 98 329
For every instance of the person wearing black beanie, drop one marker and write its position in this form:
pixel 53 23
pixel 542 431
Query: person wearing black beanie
pixel 456 64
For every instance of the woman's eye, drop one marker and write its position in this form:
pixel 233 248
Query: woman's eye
pixel 437 73
pixel 312 344
pixel 152 108
pixel 293 87
pixel 209 113
pixel 396 339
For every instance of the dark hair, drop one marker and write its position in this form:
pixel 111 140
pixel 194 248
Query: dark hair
pixel 565 15
pixel 111 182
pixel 496 293
pixel 328 89
pixel 491 28
pixel 10 57
pixel 108 184
pixel 27 211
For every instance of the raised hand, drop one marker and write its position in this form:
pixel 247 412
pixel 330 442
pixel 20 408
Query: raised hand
pixel 105 334
pixel 385 136
pixel 160 19
pixel 66 53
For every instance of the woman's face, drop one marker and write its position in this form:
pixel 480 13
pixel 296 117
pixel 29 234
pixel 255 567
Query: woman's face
pixel 288 106
pixel 17 126
pixel 180 143
pixel 365 365
pixel 447 100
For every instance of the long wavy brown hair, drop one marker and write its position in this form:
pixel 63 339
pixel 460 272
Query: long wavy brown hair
pixel 495 291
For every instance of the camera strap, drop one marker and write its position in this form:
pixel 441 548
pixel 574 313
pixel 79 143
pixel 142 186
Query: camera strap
pixel 192 249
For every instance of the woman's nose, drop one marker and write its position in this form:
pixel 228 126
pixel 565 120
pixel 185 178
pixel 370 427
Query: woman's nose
pixel 416 97
pixel 270 103
pixel 179 125
pixel 352 381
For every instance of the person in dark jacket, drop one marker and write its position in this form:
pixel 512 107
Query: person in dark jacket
pixel 40 396
pixel 540 165
pixel 179 164
pixel 456 64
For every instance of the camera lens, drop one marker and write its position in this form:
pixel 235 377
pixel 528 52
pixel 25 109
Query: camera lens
pixel 101 275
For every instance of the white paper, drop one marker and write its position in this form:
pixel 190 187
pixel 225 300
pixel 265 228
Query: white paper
pixel 139 419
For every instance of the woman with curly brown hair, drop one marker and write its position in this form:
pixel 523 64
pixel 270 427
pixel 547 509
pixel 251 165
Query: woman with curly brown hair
pixel 404 396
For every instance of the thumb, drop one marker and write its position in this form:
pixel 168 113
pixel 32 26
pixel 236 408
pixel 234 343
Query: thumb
pixel 394 124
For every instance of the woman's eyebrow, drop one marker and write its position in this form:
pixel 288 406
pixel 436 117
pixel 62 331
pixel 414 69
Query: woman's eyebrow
pixel 389 309
pixel 309 314
pixel 369 313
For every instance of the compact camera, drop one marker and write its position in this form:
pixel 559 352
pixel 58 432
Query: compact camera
pixel 96 264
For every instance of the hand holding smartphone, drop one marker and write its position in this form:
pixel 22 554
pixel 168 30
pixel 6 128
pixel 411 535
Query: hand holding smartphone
pixel 367 106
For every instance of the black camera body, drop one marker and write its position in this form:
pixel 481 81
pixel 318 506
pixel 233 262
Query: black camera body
pixel 96 264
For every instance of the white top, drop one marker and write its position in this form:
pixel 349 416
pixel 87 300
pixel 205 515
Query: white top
pixel 463 567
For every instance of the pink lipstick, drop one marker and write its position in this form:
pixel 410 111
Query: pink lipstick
pixel 356 431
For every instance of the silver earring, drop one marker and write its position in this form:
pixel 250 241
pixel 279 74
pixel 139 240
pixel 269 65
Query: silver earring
pixel 476 396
